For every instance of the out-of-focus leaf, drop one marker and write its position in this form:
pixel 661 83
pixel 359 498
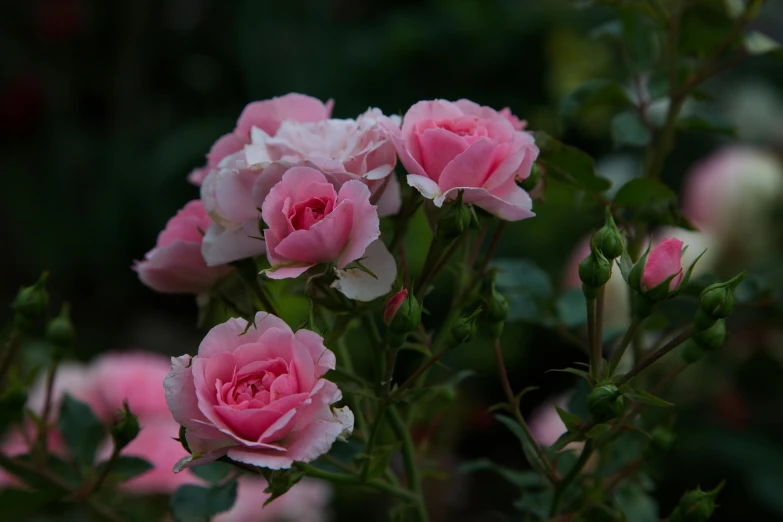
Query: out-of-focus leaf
pixel 191 503
pixel 20 504
pixel 522 478
pixel 707 122
pixel 571 308
pixel 593 93
pixel 526 286
pixel 597 430
pixel 642 192
pixel 758 44
pixel 635 502
pixel 213 472
pixel 703 28
pixel 647 398
pixel 571 421
pixel 527 446
pixel 82 431
pixel 639 33
pixel 125 468
pixel 629 129
pixel 569 164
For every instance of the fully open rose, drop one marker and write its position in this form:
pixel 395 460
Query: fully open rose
pixel 257 397
pixel 176 265
pixel 449 147
pixel 344 149
pixel 266 115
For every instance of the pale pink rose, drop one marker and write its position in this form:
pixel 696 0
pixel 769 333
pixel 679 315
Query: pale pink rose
pixel 343 149
pixel 176 265
pixel 393 304
pixel 451 146
pixel 257 395
pixel 664 261
pixel 512 119
pixel 132 376
pixel 266 115
pixel 310 222
pixel 731 195
pixel 307 501
pixel 545 424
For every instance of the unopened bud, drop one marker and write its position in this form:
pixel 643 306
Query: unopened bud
pixel 31 301
pixel 717 300
pixel 608 240
pixel 702 320
pixel 692 352
pixel 595 270
pixel 403 312
pixel 713 337
pixel 464 328
pixel 695 506
pixel 605 402
pixel 125 427
pixel 497 306
pixel 60 330
pixel 453 220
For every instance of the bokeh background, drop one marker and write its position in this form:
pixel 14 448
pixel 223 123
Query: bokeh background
pixel 106 106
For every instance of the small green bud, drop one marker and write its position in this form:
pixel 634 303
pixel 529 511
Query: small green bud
pixel 402 312
pixel 60 330
pixel 464 328
pixel 695 506
pixel 713 337
pixel 717 300
pixel 662 438
pixel 453 220
pixel 531 182
pixel 702 320
pixel 608 240
pixel 605 402
pixel 125 427
pixel 497 306
pixel 595 270
pixel 692 352
pixel 31 301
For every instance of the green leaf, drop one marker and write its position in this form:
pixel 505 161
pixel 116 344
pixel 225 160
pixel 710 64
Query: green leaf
pixel 82 431
pixel 527 445
pixel 635 503
pixel 644 192
pixel 703 28
pixel 629 129
pixel 707 122
pixel 280 481
pixel 639 33
pixel 757 44
pixel 598 429
pixel 594 93
pixel 526 286
pixel 125 468
pixel 214 472
pixel 569 164
pixel 571 421
pixel 380 459
pixel 571 308
pixel 522 479
pixel 574 371
pixel 191 503
pixel 647 398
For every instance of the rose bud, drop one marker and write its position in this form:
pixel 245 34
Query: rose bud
pixel 608 240
pixel 60 330
pixel 594 271
pixel 713 337
pixel 453 220
pixel 125 428
pixel 605 402
pixel 402 313
pixel 717 300
pixel 31 301
pixel 464 328
pixel 663 267
pixel 696 506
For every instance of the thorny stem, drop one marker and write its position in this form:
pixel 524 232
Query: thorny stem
pixel 513 403
pixel 668 347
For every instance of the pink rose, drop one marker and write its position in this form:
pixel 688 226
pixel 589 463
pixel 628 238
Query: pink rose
pixel 257 395
pixel 176 265
pixel 307 501
pixel 343 149
pixel 545 424
pixel 266 115
pixel 451 146
pixel 663 262
pixel 310 222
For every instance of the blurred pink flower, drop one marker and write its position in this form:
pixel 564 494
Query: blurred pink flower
pixel 663 262
pixel 545 423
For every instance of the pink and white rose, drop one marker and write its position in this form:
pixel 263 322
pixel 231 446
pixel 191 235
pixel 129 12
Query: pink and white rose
pixel 176 264
pixel 344 149
pixel 266 115
pixel 449 147
pixel 257 395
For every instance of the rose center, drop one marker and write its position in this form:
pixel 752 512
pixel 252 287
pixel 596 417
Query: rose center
pixel 466 127
pixel 305 214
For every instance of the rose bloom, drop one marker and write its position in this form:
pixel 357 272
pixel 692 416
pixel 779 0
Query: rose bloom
pixel 257 395
pixel 307 501
pixel 731 195
pixel 176 265
pixel 266 115
pixel 343 149
pixel 449 147
pixel 663 262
